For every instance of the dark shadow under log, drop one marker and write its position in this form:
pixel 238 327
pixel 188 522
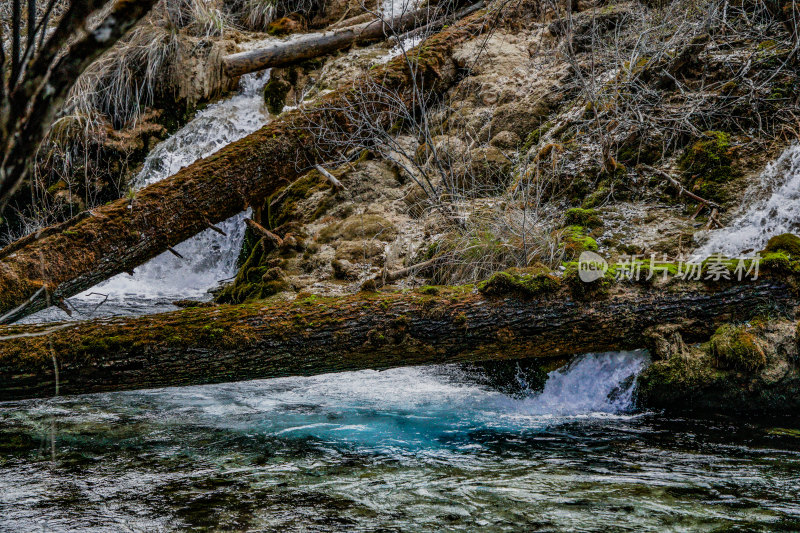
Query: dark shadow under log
pixel 364 331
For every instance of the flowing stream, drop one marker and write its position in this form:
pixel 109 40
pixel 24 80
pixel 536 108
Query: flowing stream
pixel 208 257
pixel 409 449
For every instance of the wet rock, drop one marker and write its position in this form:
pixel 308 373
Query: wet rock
pixel 744 369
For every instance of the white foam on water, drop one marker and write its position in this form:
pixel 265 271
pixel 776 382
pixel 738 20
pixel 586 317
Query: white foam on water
pixel 394 8
pixel 409 408
pixel 590 384
pixel 772 208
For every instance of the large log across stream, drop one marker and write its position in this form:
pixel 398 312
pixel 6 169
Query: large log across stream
pixel 121 235
pixel 368 330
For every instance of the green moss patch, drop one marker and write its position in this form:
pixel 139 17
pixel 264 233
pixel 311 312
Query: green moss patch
pixel 575 240
pixel 583 290
pixel 583 217
pixel 520 282
pixel 708 164
pixel 787 243
pixel 258 278
pixel 287 209
pixel 737 347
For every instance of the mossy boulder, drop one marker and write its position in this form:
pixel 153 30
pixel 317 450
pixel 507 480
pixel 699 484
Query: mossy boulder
pixel 708 164
pixel 259 277
pixel 743 369
pixel 583 217
pixel 676 381
pixel 787 243
pixel 275 92
pixel 779 262
pixel 292 207
pixel 520 282
pixel 737 347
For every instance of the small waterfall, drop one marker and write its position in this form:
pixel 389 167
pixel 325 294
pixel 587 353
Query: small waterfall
pixel 774 208
pixel 209 256
pixel 592 383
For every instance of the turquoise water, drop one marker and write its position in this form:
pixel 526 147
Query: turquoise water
pixel 411 449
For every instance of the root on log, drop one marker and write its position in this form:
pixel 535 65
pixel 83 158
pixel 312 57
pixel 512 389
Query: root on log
pixel 368 330
pixel 124 234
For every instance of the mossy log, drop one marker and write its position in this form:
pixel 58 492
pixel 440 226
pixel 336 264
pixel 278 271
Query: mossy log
pixel 316 335
pixel 311 45
pixel 123 234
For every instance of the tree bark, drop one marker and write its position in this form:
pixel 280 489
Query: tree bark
pixel 367 330
pixel 308 46
pixel 123 234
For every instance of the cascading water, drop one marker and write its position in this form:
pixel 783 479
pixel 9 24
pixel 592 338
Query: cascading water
pixel 208 257
pixel 774 208
pixel 594 383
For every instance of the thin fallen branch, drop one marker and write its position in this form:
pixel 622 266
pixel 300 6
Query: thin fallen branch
pixel 388 277
pixel 311 45
pixel 263 232
pixel 335 183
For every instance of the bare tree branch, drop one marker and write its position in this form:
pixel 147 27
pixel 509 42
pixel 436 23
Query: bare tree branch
pixel 34 100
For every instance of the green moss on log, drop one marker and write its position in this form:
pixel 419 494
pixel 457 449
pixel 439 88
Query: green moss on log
pixel 520 283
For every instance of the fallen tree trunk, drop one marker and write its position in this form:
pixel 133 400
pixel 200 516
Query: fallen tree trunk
pixel 311 45
pixel 368 330
pixel 123 234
